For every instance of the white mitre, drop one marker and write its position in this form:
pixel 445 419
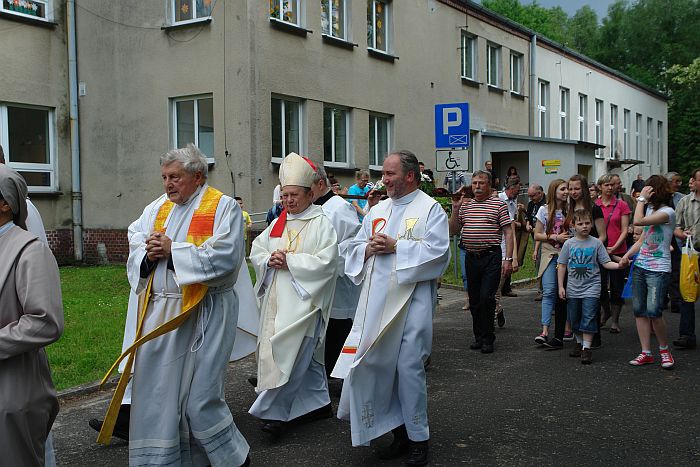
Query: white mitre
pixel 297 170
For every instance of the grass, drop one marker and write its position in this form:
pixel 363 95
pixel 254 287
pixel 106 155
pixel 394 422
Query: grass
pixel 525 272
pixel 95 300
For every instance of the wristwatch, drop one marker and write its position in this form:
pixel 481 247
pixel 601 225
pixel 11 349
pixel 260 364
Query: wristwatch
pixel 642 199
pixel 507 259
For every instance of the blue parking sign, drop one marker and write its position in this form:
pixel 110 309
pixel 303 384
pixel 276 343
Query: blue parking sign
pixel 452 125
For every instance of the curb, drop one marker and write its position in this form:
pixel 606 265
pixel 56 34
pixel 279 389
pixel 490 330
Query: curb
pixel 85 390
pixel 519 283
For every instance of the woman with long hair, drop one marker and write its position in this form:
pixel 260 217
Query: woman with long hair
pixel 652 268
pixel 616 214
pixel 593 191
pixel 551 231
pixel 512 172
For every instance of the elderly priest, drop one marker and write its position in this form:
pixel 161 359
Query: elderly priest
pixel 185 253
pixel 31 317
pixel 295 261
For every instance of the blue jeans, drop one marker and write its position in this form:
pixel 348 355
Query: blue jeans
pixel 550 291
pixel 582 314
pixel 687 324
pixel 648 292
pixel 463 267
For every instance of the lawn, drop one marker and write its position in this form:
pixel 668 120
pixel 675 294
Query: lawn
pixel 95 301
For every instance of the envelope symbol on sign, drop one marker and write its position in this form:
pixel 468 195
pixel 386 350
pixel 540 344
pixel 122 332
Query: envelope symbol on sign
pixel 457 139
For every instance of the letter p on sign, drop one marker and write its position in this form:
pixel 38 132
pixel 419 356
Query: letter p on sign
pixel 452 125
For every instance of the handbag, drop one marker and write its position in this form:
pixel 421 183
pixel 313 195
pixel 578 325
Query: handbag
pixel 690 275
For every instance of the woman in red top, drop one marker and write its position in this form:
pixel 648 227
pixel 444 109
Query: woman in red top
pixel 616 214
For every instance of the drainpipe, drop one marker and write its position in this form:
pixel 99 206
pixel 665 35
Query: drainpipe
pixel 76 190
pixel 532 120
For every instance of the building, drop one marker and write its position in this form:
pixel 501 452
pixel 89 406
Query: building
pixel 339 80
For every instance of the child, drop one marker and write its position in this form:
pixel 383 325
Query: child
pixel 652 270
pixel 582 254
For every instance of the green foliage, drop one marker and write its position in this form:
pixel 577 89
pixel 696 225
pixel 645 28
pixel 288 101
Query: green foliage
pixel 684 116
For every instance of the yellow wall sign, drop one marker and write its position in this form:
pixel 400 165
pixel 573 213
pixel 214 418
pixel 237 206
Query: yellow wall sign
pixel 551 163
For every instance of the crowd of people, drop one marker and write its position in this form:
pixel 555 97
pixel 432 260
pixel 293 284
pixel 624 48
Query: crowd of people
pixel 346 287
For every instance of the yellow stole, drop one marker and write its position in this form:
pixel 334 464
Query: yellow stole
pixel 201 228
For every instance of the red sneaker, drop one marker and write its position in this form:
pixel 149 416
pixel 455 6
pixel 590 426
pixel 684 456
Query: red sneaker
pixel 666 360
pixel 642 359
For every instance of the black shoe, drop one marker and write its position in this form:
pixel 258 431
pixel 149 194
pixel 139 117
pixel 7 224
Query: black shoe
pixel 501 319
pixel 586 356
pixel 398 447
pixel 684 343
pixel 253 380
pixel 417 453
pixel 597 342
pixel 121 426
pixel 247 461
pixel 553 344
pixel 426 363
pixel 486 348
pixel 319 414
pixel 509 293
pixel 476 345
pixel 275 428
pixel 576 353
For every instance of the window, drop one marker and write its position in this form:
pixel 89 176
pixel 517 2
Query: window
pixel 378 16
pixel 659 142
pixel 334 18
pixel 626 134
pixel 493 65
pixel 379 138
pixel 613 132
pixel 286 123
pixel 582 117
pixel 468 56
pixel 516 72
pixel 638 137
pixel 650 134
pixel 193 122
pixel 564 113
pixel 542 104
pixel 191 10
pixel 598 125
pixel 336 141
pixel 37 9
pixel 285 10
pixel 27 136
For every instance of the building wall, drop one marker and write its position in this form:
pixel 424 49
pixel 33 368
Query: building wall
pixel 35 72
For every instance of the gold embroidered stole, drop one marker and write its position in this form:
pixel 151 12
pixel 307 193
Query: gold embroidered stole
pixel 201 228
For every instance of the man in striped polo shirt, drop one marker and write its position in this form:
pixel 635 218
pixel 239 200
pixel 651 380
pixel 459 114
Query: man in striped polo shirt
pixel 482 222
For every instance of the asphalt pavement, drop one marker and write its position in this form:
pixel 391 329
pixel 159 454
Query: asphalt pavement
pixel 521 405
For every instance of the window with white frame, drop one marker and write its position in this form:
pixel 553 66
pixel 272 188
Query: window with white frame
pixel 542 106
pixel 650 135
pixel 613 131
pixel 598 122
pixel 564 113
pixel 193 122
pixel 626 117
pixel 334 18
pixel 638 137
pixel 288 11
pixel 36 9
pixel 582 117
pixel 336 134
pixel 468 55
pixel 378 22
pixel 659 143
pixel 191 10
pixel 493 65
pixel 286 123
pixel 516 72
pixel 27 136
pixel 379 138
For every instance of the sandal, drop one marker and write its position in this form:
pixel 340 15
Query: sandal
pixel 614 330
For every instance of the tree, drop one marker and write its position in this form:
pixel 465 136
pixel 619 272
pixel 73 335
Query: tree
pixel 684 117
pixel 582 31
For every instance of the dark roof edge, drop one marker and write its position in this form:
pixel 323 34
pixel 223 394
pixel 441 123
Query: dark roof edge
pixel 539 139
pixel 470 4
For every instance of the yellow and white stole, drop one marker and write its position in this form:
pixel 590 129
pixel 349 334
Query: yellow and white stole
pixel 201 228
pixel 397 297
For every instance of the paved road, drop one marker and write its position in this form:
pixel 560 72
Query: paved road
pixel 518 406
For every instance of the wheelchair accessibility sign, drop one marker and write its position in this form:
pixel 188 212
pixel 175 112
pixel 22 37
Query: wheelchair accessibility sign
pixel 448 160
pixel 452 125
